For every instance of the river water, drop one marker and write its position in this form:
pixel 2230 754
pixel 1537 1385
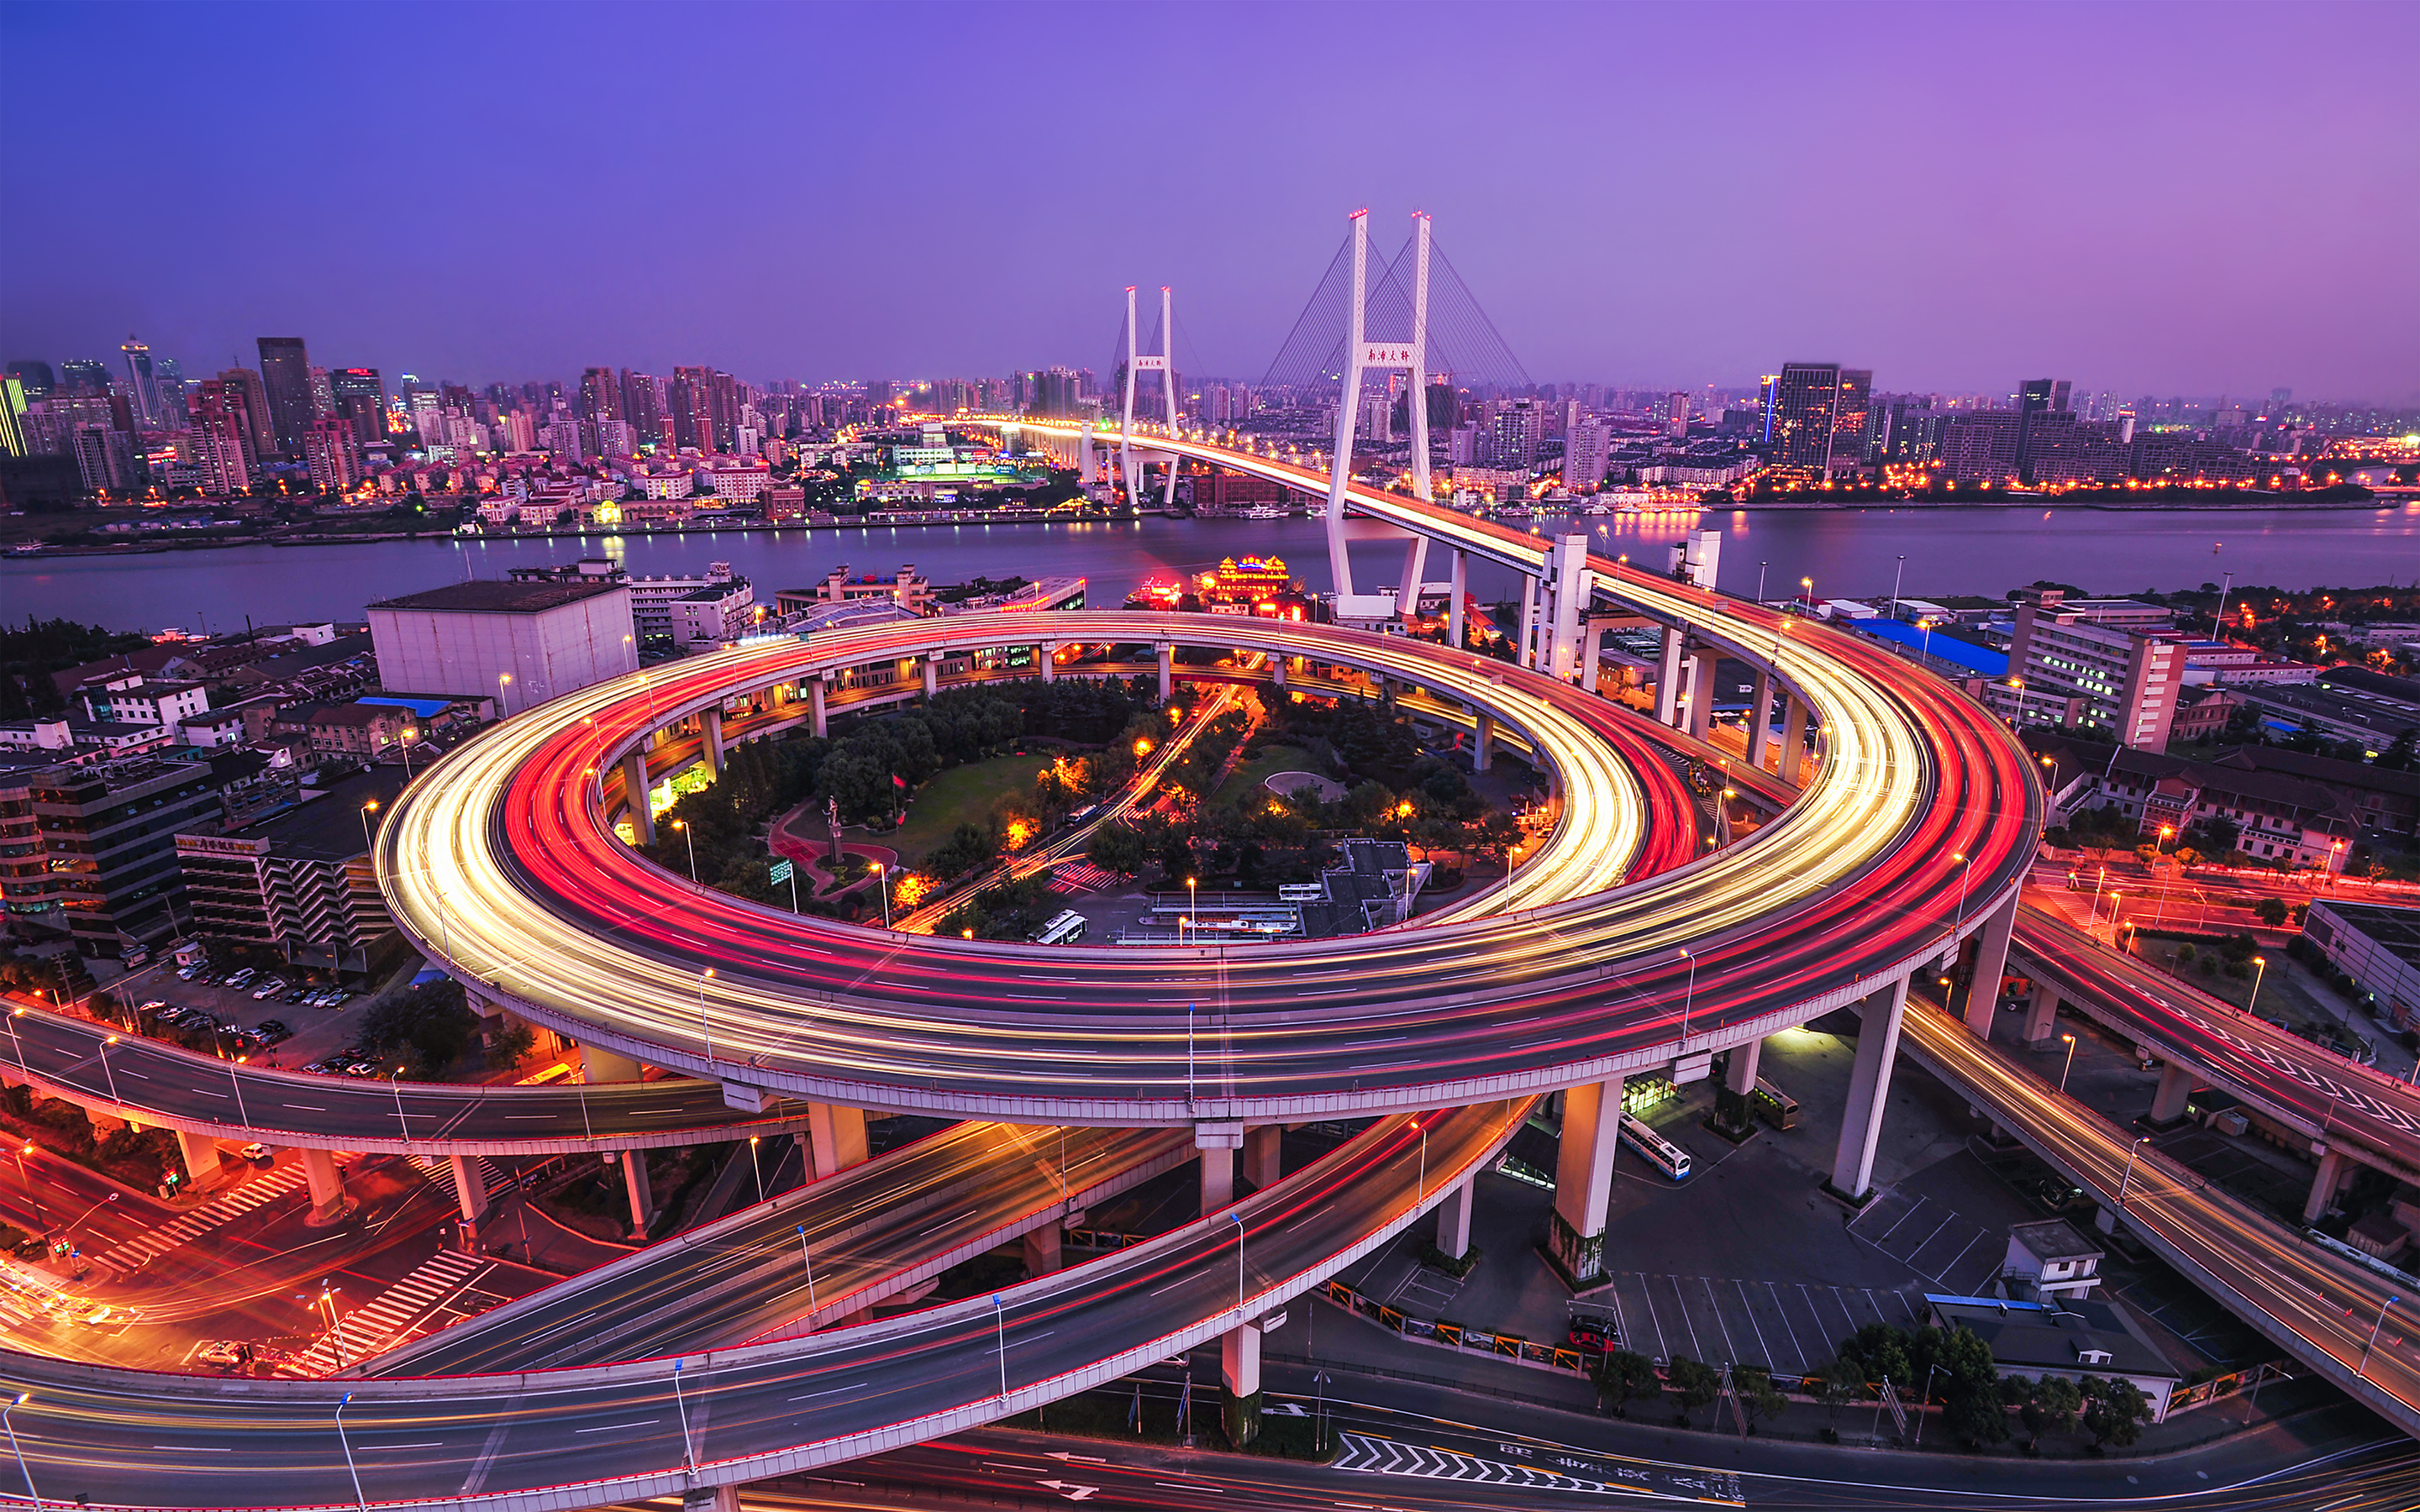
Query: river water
pixel 1848 552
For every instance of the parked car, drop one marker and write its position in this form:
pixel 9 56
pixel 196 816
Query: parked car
pixel 259 1153
pixel 276 1026
pixel 223 1352
pixel 267 989
pixel 188 973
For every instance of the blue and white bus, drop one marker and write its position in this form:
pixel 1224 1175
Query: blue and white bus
pixel 1661 1152
pixel 1065 928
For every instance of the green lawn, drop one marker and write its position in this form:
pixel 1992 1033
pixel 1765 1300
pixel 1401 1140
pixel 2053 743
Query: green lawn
pixel 1248 776
pixel 961 796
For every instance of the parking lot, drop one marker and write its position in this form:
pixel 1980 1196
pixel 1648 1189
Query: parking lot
pixel 1790 1326
pixel 211 998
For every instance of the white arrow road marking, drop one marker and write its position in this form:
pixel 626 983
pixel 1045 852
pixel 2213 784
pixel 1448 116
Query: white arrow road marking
pixel 1070 1490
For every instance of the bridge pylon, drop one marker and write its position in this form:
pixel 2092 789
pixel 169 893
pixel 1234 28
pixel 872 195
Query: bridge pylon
pixel 1364 354
pixel 1163 362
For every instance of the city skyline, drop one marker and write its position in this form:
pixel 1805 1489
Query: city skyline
pixel 2164 226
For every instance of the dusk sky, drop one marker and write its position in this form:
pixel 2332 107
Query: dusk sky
pixel 2171 198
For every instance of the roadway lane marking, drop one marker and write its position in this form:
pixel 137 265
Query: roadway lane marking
pixel 193 1448
pixel 307 1107
pixel 947 1221
pixel 855 1386
pixel 433 1443
pixel 613 1428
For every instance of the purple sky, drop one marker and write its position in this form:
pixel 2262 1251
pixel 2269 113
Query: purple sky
pixel 2170 198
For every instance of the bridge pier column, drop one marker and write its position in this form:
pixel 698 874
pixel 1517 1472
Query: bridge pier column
pixel 634 793
pixel 1525 654
pixel 1793 739
pixel 598 1064
pixel 1218 1143
pixel 1991 964
pixel 201 1153
pixel 710 1499
pixel 1701 692
pixel 1667 678
pixel 709 730
pixel 1453 1221
pixel 1240 1371
pixel 1760 718
pixel 1734 1106
pixel 470 1189
pixel 2041 1015
pixel 2176 1090
pixel 818 724
pixel 836 1139
pixel 1483 751
pixel 1262 1158
pixel 1049 661
pixel 1861 1123
pixel 1415 567
pixel 932 675
pixel 1584 1177
pixel 327 1183
pixel 2324 1186
pixel 643 1197
pixel 1167 671
pixel 1042 1249
pixel 1454 623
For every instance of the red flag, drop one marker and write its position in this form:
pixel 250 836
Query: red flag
pixel 898 782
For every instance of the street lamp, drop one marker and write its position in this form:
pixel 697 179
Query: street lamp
pixel 1688 994
pixel 2117 901
pixel 367 810
pixel 328 1302
pixel 1965 870
pixel 2365 1349
pixel 108 1076
pixel 758 1164
pixel 2260 964
pixel 1192 901
pixel 31 1494
pixel 810 1261
pixel 2067 1065
pixel 682 824
pixel 2160 909
pixel 2128 1175
pixel 1897 573
pixel 395 1080
pixel 31 1191
pixel 15 1015
pixel 999 1331
pixel 704 1022
pixel 363 1500
pixel 1237 1219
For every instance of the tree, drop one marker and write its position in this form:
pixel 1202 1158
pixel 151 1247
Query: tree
pixel 1833 1384
pixel 1878 1350
pixel 1624 1376
pixel 2113 1409
pixel 1693 1383
pixel 510 1046
pixel 1975 1410
pixel 970 848
pixel 1118 848
pixel 431 1023
pixel 2044 1406
pixel 2270 911
pixel 1759 1397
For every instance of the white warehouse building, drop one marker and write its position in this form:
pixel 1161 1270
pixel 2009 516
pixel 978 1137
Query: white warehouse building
pixel 519 644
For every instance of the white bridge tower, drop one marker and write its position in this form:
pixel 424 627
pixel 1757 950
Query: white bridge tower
pixel 1361 353
pixel 1164 363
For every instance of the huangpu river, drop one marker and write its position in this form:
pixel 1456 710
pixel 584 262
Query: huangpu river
pixel 1849 553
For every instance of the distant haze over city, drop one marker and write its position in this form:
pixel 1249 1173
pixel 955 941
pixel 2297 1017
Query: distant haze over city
pixel 2205 202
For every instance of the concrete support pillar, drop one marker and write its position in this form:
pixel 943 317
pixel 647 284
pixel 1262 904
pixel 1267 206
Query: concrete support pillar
pixel 1741 1077
pixel 1584 1176
pixel 1454 624
pixel 634 793
pixel 1667 678
pixel 1167 671
pixel 1218 1180
pixel 470 1189
pixel 816 724
pixel 602 1065
pixel 1261 1155
pixel 710 1499
pixel 2324 1186
pixel 201 1154
pixel 932 675
pixel 1042 1250
pixel 1415 567
pixel 2176 1089
pixel 1239 1361
pixel 1991 963
pixel 1483 751
pixel 709 730
pixel 1049 661
pixel 1701 692
pixel 1592 653
pixel 836 1139
pixel 1793 739
pixel 1525 654
pixel 2041 1015
pixel 327 1183
pixel 1861 1123
pixel 643 1197
pixel 1453 1221
pixel 1760 718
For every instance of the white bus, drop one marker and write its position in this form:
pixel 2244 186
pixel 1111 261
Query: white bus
pixel 1661 1152
pixel 1065 929
pixel 1300 892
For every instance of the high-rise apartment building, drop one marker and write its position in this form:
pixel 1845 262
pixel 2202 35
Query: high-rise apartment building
pixel 360 399
pixel 2088 670
pixel 111 831
pixel 220 437
pixel 1513 435
pixel 247 382
pixel 286 374
pixel 323 395
pixel 1676 415
pixel 1815 415
pixel 1588 452
pixel 35 374
pixel 332 454
pixel 2036 396
pixel 84 375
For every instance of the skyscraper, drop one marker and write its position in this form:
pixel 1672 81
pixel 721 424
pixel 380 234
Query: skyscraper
pixel 286 374
pixel 323 395
pixel 1587 449
pixel 84 375
pixel 35 374
pixel 219 433
pixel 2036 396
pixel 1815 412
pixel 142 383
pixel 361 400
pixel 245 381
pixel 331 449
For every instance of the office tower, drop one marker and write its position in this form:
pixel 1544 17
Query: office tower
pixel 222 435
pixel 2036 396
pixel 12 417
pixel 1676 415
pixel 286 374
pixel 323 395
pixel 1850 419
pixel 1802 412
pixel 360 399
pixel 142 383
pixel 1588 452
pixel 84 375
pixel 643 404
pixel 106 456
pixel 263 441
pixel 332 451
pixel 36 376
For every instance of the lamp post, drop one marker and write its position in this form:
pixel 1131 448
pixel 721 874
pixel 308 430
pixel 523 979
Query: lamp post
pixel 2117 901
pixel 2261 969
pixel 31 1494
pixel 2160 909
pixel 347 1400
pixel 14 1014
pixel 39 1212
pixel 2019 683
pixel 367 809
pixel 1965 870
pixel 395 1080
pixel 108 1076
pixel 682 824
pixel 1192 901
pixel 2067 1065
pixel 1897 573
pixel 2128 1175
pixel 1926 626
pixel 2365 1349
pixel 704 1022
pixel 758 1164
pixel 1237 1219
pixel 1688 994
pixel 335 1334
pixel 1806 585
pixel 410 735
pixel 1000 1332
pixel 808 1261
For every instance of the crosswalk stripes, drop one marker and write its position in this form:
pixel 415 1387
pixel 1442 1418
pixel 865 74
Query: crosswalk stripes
pixel 268 1186
pixel 376 1323
pixel 442 1172
pixel 1385 1456
pixel 1083 876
